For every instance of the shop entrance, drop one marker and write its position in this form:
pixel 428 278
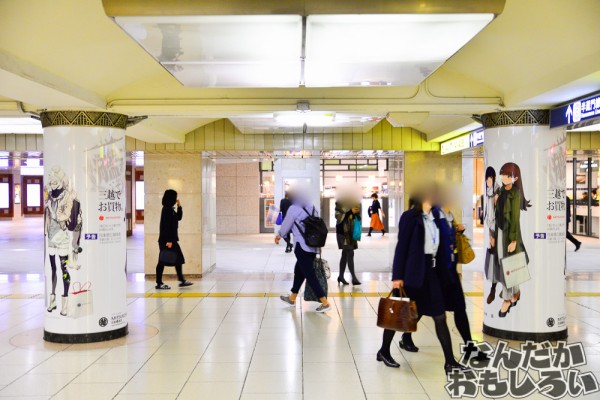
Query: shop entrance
pixel 582 188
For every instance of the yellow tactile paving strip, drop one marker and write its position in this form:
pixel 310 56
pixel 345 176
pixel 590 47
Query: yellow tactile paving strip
pixel 258 294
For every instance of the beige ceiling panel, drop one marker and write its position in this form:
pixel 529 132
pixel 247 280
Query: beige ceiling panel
pixel 166 130
pixel 533 47
pixel 437 127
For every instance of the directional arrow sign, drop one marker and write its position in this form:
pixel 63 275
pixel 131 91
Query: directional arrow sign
pixel 569 113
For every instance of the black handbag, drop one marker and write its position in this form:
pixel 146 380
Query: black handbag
pixel 321 270
pixel 167 257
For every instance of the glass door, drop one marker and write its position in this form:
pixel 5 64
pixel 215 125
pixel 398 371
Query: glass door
pixel 584 190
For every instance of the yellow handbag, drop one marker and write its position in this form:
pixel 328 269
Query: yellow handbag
pixel 465 251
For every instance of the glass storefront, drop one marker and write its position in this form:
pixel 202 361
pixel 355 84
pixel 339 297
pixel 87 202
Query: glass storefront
pixel 582 188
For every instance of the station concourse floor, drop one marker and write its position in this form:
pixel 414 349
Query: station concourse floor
pixel 230 337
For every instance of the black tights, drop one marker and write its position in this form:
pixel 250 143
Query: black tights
pixel 347 259
pixel 65 274
pixel 441 330
pixel 461 320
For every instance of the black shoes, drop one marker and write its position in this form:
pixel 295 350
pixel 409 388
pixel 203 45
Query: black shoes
pixel 410 347
pixel 503 314
pixel 387 360
pixel 449 367
pixel 577 246
pixel 342 281
pixel 356 281
pixel 288 248
pixel 185 283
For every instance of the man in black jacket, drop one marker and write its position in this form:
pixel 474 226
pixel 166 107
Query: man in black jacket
pixel 576 242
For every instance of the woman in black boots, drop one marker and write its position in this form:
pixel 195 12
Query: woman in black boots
pixel 414 269
pixel 346 214
pixel 168 238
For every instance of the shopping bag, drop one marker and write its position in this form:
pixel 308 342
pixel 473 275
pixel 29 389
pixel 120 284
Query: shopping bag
pixel 465 251
pixel 397 313
pixel 279 219
pixel 515 270
pixel 323 272
pixel 272 214
pixel 357 230
pixel 81 300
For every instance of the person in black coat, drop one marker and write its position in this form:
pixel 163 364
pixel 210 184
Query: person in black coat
pixel 284 205
pixel 576 242
pixel 446 261
pixel 168 238
pixel 414 268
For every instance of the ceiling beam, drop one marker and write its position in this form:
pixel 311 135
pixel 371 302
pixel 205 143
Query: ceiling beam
pixel 121 8
pixel 25 82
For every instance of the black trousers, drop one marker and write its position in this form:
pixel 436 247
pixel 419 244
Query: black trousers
pixel 160 268
pixel 304 270
pixel 572 239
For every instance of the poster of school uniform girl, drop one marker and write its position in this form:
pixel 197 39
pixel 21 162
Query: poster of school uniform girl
pixel 524 219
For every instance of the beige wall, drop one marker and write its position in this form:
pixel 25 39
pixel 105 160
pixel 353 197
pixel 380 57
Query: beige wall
pixel 238 192
pixel 182 173
pixel 427 166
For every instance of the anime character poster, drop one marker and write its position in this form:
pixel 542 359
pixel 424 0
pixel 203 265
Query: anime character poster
pixel 524 231
pixel 85 231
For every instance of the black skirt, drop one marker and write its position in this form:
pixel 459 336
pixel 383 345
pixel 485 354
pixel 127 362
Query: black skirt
pixel 429 297
pixel 454 297
pixel 175 247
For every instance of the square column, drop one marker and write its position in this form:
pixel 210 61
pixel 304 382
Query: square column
pixel 182 173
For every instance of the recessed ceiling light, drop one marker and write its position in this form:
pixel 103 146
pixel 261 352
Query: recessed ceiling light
pixel 223 51
pixel 395 49
pixel 20 125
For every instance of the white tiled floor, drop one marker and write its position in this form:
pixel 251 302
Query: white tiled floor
pixel 247 347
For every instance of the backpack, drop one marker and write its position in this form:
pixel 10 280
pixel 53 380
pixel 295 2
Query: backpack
pixel 315 230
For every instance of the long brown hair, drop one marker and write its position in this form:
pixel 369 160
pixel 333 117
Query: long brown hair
pixel 511 169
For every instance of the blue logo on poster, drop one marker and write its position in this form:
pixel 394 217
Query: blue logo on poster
pixel 541 235
pixel 91 236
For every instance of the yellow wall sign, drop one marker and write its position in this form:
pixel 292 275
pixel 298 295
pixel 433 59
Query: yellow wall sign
pixel 457 144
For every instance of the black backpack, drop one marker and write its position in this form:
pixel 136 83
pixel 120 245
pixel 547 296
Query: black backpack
pixel 315 230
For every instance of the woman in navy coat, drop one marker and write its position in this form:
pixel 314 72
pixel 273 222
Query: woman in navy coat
pixel 452 291
pixel 414 268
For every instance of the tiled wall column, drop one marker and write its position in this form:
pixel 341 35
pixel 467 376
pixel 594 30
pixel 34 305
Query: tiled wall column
pixel 183 173
pixel 238 192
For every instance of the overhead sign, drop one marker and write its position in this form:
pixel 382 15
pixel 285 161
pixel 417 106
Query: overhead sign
pixel 463 142
pixel 575 112
pixel 456 144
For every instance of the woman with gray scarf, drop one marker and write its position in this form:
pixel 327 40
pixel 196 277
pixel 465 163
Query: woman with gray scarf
pixel 491 267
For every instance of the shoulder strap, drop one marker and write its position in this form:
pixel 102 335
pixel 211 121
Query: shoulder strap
pixel 306 211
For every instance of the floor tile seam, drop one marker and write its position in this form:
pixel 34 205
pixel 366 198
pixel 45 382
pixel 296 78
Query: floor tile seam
pixel 154 353
pixel 79 374
pixel 254 349
pixel 404 358
pixel 28 371
pixel 206 348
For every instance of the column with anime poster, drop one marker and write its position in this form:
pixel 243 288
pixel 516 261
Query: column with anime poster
pixel 524 226
pixel 84 226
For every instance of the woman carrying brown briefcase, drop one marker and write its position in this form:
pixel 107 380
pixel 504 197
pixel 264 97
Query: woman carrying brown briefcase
pixel 414 270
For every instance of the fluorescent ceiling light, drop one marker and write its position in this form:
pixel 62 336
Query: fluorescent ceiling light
pixel 311 118
pixel 223 51
pixel 20 125
pixel 397 50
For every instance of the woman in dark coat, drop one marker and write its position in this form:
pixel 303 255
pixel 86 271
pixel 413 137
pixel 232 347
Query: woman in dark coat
pixel 346 214
pixel 168 238
pixel 284 205
pixel 452 291
pixel 414 268
pixel 374 214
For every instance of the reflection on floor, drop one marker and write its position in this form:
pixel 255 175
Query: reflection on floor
pixel 248 344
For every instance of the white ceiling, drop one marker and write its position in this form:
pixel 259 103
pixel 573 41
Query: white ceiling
pixel 67 54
